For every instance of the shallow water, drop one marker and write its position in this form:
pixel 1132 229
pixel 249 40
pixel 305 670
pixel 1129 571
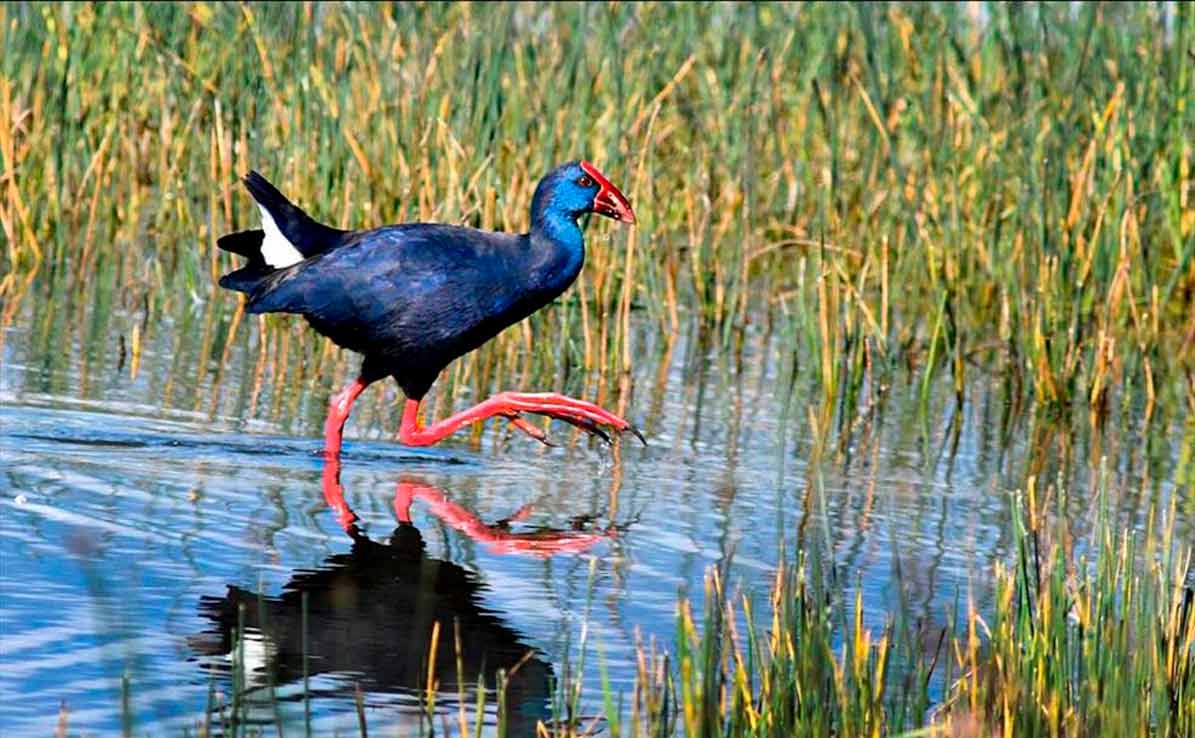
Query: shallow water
pixel 140 513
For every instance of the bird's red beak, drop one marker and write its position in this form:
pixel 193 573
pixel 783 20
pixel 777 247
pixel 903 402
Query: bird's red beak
pixel 608 201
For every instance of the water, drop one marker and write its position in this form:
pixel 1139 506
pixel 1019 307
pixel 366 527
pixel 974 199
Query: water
pixel 148 521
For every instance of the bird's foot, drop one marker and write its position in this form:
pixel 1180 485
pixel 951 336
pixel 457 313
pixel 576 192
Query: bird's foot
pixel 513 406
pixel 584 415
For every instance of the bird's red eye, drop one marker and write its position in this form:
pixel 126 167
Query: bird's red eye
pixel 585 181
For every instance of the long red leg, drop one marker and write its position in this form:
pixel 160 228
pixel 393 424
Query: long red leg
pixel 511 405
pixel 338 413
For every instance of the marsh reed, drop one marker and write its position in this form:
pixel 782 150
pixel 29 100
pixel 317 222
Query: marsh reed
pixel 907 191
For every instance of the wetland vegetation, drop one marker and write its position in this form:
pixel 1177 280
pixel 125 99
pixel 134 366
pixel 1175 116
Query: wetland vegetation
pixel 876 243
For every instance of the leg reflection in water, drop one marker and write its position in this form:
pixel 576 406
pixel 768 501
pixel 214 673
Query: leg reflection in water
pixel 496 536
pixel 366 619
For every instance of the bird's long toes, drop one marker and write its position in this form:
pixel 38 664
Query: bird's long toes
pixel 616 423
pixel 540 435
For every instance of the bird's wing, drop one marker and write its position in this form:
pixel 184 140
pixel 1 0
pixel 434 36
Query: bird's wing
pixel 409 286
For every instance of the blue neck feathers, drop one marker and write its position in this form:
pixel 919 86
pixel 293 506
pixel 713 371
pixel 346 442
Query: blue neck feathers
pixel 558 238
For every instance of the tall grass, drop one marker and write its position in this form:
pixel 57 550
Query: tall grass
pixel 1093 643
pixel 894 188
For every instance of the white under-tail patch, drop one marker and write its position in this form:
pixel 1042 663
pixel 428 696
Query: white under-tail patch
pixel 257 651
pixel 275 248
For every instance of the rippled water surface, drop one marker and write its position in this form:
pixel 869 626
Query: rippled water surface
pixel 145 525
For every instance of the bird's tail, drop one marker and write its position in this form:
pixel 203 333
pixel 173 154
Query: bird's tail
pixel 287 236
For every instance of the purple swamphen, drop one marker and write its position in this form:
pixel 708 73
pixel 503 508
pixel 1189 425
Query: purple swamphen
pixel 411 298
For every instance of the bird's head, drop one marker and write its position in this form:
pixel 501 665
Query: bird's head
pixel 578 187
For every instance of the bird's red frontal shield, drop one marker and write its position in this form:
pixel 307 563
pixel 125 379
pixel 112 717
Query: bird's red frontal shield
pixel 609 201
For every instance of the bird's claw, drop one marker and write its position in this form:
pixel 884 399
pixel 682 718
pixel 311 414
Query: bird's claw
pixel 626 428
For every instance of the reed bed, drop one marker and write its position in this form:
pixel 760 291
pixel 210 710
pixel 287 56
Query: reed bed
pixel 902 191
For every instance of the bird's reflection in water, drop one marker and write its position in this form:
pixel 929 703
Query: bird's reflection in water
pixel 371 613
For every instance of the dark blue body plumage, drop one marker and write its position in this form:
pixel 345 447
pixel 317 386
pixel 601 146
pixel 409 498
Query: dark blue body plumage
pixel 412 298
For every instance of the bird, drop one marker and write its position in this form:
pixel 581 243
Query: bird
pixel 411 298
